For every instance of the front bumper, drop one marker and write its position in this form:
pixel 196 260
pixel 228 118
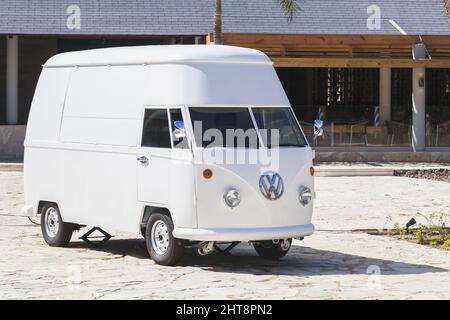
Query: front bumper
pixel 244 234
pixel 27 211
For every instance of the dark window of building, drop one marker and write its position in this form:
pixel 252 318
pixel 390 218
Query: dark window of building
pixel 438 107
pixel 401 95
pixel 352 94
pixel 344 98
pixel 438 93
pixel 333 94
pixel 156 133
pixel 306 89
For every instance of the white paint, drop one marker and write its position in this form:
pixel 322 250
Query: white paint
pixel 385 94
pixel 159 55
pixel 418 99
pixel 396 26
pixel 84 135
pixel 12 79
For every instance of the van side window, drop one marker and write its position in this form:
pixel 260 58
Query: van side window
pixel 176 117
pixel 156 133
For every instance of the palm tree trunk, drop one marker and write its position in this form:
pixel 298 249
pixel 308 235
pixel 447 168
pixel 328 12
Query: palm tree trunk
pixel 218 36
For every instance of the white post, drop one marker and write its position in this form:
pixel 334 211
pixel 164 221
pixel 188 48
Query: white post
pixel 12 79
pixel 385 94
pixel 418 101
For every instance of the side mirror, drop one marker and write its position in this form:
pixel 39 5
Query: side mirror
pixel 179 131
pixel 318 128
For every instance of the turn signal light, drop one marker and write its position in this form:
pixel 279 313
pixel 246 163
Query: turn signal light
pixel 207 174
pixel 311 171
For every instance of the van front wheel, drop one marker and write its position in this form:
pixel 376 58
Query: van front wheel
pixel 55 231
pixel 162 247
pixel 273 250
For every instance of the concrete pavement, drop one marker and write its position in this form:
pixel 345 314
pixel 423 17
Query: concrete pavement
pixel 334 263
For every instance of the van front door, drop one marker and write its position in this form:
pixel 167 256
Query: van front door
pixel 165 172
pixel 154 159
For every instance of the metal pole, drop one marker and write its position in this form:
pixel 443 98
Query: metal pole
pixel 12 79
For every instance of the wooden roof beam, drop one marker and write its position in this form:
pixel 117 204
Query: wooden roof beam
pixel 340 62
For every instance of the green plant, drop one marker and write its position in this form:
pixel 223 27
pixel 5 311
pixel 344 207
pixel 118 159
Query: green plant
pixel 435 233
pixel 420 234
pixel 446 245
pixel 443 236
pixel 401 231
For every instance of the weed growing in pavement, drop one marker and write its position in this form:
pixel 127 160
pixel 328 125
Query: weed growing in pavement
pixel 435 233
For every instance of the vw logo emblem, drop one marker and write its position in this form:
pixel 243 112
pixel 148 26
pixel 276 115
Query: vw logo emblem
pixel 271 185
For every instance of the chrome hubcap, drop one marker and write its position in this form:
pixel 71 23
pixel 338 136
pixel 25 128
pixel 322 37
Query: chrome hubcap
pixel 160 237
pixel 51 222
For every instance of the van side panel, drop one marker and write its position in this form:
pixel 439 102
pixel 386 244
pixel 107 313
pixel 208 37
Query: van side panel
pixel 100 131
pixel 42 180
pixel 44 120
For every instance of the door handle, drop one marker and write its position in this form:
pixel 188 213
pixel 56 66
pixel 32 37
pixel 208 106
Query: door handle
pixel 143 160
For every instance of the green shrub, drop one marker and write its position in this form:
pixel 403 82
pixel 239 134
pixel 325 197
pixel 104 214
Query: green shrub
pixel 446 245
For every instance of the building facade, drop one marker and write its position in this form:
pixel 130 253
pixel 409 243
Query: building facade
pixel 376 72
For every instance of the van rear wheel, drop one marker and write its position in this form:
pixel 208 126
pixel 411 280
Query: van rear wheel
pixel 162 247
pixel 55 231
pixel 273 250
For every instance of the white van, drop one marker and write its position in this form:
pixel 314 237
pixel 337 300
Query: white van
pixel 121 139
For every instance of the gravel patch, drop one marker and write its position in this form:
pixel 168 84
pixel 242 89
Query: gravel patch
pixel 430 174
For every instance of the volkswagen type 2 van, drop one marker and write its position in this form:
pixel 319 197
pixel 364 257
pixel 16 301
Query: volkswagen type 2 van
pixel 129 140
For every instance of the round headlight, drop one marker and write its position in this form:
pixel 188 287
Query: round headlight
pixel 305 195
pixel 232 198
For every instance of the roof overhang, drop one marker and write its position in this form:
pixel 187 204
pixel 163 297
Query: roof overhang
pixel 340 51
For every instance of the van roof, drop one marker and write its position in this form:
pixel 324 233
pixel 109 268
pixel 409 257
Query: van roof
pixel 158 55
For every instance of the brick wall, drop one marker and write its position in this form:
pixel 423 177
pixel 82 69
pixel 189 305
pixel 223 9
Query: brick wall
pixel 11 143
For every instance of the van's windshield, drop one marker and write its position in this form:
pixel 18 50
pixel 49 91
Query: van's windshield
pixel 234 127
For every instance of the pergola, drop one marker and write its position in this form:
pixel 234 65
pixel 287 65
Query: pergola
pixel 357 51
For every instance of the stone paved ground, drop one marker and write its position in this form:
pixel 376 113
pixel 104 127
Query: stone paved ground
pixel 333 263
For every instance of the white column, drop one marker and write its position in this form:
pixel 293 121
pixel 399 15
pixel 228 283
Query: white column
pixel 12 79
pixel 418 102
pixel 385 94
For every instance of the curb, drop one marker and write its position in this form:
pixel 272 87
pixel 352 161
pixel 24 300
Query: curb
pixel 11 167
pixel 353 172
